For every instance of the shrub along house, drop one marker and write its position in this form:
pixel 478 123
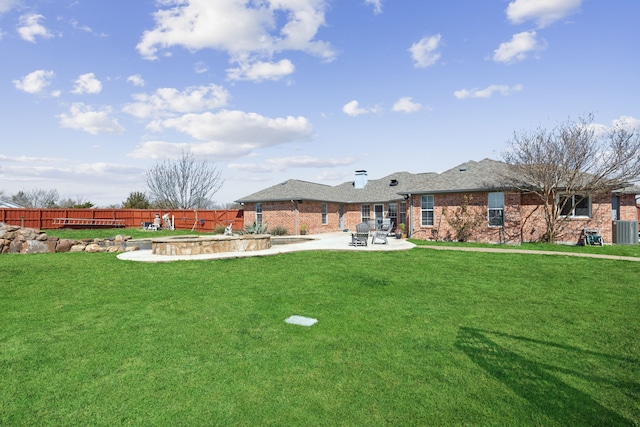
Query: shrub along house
pixel 468 202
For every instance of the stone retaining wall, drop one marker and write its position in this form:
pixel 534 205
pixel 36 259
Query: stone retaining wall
pixel 197 245
pixel 18 240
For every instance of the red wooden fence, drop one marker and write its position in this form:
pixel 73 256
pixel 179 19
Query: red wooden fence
pixel 200 220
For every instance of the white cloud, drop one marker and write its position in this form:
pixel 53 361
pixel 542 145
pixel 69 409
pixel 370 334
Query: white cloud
pixel 34 82
pixel 166 101
pixel 75 24
pixel 201 68
pixel 259 71
pixel 107 169
pixel 7 5
pixel 425 52
pixel 627 122
pixel 226 134
pixel 406 105
pixel 504 90
pixel 517 48
pixel 136 80
pixel 257 31
pixel 28 159
pixel 87 83
pixel 84 117
pixel 87 29
pixel 353 109
pixel 283 163
pixel 242 128
pixel 377 5
pixel 29 28
pixel 543 12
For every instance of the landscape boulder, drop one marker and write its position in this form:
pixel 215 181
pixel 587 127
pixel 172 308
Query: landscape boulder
pixel 21 240
pixel 64 245
pixel 93 248
pixel 34 247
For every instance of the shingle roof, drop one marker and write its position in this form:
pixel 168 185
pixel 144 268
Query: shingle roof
pixel 470 176
pixel 292 189
pixel 485 175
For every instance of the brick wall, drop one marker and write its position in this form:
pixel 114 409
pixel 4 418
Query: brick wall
pixel 524 218
pixel 309 214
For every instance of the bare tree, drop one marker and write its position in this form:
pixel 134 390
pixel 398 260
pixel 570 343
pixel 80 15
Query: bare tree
pixel 575 160
pixel 183 183
pixel 36 198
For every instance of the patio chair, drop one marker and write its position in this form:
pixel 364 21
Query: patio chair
pixel 360 237
pixel 382 233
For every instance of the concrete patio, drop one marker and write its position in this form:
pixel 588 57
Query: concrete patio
pixel 338 241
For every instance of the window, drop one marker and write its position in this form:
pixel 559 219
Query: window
pixel 393 213
pixel 496 209
pixel 324 213
pixel 615 208
pixel 365 211
pixel 403 214
pixel 426 209
pixel 259 213
pixel 577 205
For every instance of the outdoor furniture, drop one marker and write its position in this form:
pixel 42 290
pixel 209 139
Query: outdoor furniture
pixel 592 237
pixel 360 237
pixel 383 232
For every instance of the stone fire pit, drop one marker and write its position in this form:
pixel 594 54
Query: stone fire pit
pixel 197 245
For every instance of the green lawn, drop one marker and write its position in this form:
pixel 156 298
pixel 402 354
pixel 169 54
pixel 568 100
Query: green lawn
pixel 618 250
pixel 403 338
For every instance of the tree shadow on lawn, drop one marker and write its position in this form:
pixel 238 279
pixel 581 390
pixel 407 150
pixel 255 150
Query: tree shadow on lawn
pixel 535 381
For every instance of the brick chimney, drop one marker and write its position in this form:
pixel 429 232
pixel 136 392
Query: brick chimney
pixel 361 179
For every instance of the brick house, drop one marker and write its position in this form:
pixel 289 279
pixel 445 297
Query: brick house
pixel 431 204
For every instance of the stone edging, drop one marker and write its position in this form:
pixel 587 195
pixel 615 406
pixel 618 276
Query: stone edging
pixel 19 240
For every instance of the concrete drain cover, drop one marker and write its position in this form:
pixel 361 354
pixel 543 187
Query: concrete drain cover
pixel 301 320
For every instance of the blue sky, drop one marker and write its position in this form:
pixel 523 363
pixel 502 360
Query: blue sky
pixel 93 93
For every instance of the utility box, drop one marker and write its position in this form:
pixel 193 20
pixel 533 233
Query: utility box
pixel 625 232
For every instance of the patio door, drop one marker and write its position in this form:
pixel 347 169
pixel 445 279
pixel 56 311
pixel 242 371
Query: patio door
pixel 378 214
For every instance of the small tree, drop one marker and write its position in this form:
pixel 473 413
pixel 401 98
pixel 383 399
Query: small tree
pixel 572 160
pixel 136 200
pixel 183 183
pixel 462 220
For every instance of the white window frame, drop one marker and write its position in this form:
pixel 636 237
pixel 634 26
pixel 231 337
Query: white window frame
pixel 365 213
pixel 425 209
pixel 393 213
pixel 495 205
pixel 402 214
pixel 572 211
pixel 324 214
pixel 258 213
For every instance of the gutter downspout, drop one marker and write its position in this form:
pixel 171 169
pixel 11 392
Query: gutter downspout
pixel 410 227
